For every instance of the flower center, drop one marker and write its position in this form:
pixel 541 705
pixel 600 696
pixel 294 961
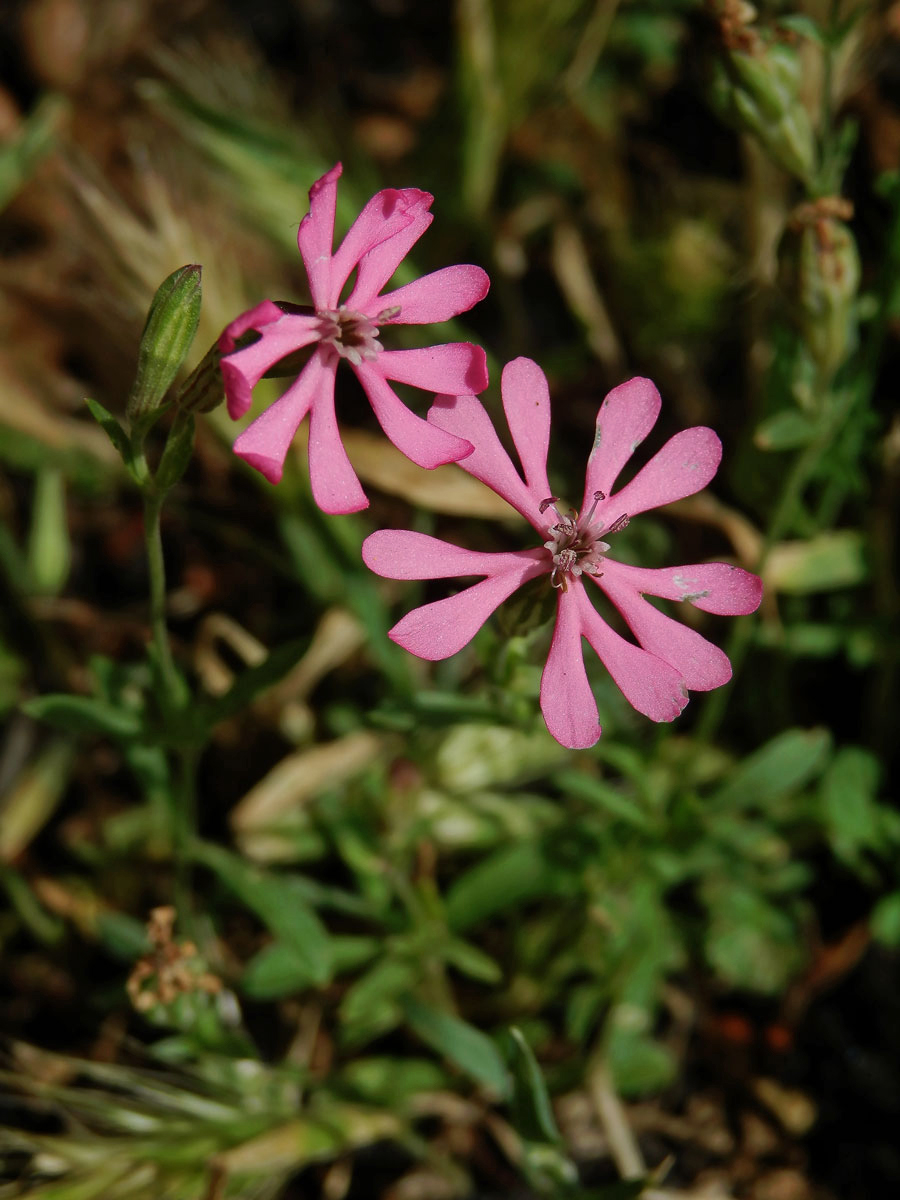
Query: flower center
pixel 575 544
pixel 351 334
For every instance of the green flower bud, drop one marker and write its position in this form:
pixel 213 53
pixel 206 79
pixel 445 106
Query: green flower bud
pixel 756 88
pixel 819 272
pixel 165 342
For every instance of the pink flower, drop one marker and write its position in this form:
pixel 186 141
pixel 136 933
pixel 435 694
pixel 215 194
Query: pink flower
pixel 654 675
pixel 376 243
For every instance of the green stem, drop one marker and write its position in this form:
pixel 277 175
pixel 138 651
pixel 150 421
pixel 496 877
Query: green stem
pixel 156 568
pixel 183 816
pixel 184 833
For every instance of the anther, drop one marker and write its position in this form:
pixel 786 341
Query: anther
pixel 545 504
pixel 618 524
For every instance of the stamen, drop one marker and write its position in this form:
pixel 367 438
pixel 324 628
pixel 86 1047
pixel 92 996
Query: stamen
pixel 575 547
pixel 545 504
pixel 618 524
pixel 352 335
pixel 598 496
pixel 388 314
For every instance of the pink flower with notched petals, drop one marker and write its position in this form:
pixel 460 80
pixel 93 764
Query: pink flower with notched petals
pixel 655 674
pixel 380 237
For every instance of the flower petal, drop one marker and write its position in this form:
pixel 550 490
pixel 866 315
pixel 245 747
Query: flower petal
pixel 567 701
pixel 378 241
pixel 712 587
pixel 334 484
pixel 404 554
pixel 282 334
pixel 686 463
pixel 455 367
pixel 423 444
pixel 526 402
pixel 465 416
pixel 648 683
pixel 438 630
pixel 316 236
pixel 265 313
pixel 436 297
pixel 701 665
pixel 264 443
pixel 625 418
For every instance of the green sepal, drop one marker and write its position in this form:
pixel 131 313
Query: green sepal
pixel 204 389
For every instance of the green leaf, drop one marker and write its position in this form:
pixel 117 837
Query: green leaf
pixel 350 950
pixel 123 936
pixel 279 901
pixel 785 431
pixel 885 920
pixel 472 1051
pixel 35 137
pixel 41 924
pixel 637 1063
pixel 372 1005
pixel 49 547
pixel 383 1080
pixel 604 796
pixel 502 880
pixel 82 714
pixel 112 429
pixel 532 1112
pixel 805 26
pixel 471 961
pixel 850 808
pixel 750 943
pixel 785 764
pixel 276 971
pixel 820 564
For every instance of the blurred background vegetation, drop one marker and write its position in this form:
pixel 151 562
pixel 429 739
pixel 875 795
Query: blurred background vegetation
pixel 412 948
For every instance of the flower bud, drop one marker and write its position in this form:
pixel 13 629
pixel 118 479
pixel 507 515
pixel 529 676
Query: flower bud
pixel 819 272
pixel 756 88
pixel 165 342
